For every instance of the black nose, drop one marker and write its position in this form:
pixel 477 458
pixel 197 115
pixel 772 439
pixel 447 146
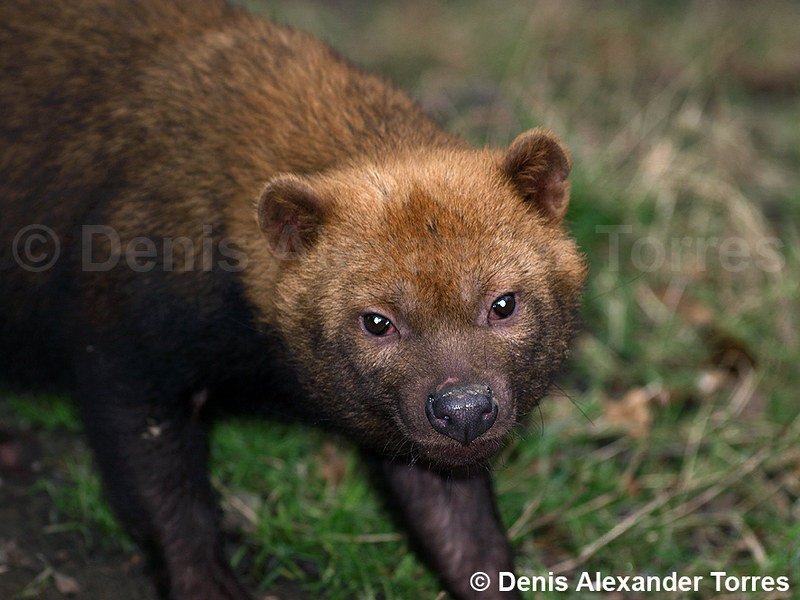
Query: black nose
pixel 462 412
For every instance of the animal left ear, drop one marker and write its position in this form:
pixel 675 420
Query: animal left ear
pixel 538 165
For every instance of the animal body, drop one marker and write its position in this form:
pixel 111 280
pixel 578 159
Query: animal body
pixel 204 213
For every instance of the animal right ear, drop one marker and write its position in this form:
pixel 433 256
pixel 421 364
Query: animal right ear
pixel 290 214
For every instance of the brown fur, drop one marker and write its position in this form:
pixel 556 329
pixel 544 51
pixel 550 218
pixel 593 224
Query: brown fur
pixel 265 195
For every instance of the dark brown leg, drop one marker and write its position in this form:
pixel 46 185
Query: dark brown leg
pixel 153 458
pixel 453 518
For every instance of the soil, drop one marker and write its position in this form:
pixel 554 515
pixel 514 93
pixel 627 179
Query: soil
pixel 38 561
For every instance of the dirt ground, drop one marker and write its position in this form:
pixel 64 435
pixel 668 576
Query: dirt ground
pixel 38 561
pixel 41 561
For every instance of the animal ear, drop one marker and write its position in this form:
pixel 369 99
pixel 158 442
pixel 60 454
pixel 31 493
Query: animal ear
pixel 538 165
pixel 290 214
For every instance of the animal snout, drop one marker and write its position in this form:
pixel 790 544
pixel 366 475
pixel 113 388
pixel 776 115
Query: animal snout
pixel 462 412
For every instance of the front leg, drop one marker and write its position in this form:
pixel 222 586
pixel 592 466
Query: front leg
pixel 152 452
pixel 453 518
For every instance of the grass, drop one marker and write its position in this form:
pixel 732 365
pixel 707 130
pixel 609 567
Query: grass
pixel 673 441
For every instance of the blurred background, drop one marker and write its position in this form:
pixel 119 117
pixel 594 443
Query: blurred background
pixel 672 440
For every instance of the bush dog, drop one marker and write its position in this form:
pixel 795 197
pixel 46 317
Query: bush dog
pixel 205 213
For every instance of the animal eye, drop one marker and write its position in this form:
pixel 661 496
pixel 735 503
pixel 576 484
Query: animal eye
pixel 377 324
pixel 503 307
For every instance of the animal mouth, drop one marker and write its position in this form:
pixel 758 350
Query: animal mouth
pixel 454 454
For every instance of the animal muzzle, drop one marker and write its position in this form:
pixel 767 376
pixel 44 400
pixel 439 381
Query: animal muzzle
pixel 462 412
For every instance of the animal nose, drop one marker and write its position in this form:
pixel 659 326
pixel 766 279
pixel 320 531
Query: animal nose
pixel 462 412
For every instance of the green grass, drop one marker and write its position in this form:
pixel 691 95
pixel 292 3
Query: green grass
pixel 674 444
pixel 311 512
pixel 45 412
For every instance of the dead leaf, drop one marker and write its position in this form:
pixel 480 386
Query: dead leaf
pixel 332 465
pixel 11 554
pixel 631 412
pixel 66 585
